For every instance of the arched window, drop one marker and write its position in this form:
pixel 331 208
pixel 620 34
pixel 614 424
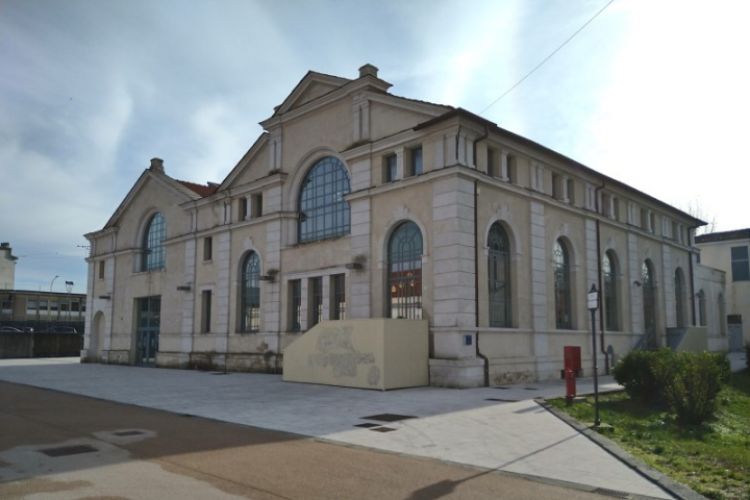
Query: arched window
pixel 405 272
pixel 679 297
pixel 323 211
pixel 498 276
pixel 153 252
pixel 701 308
pixel 561 261
pixel 250 294
pixel 610 272
pixel 649 302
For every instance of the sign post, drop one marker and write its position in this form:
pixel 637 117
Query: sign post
pixel 593 305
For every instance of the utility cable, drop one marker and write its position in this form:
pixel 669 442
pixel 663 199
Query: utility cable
pixel 519 82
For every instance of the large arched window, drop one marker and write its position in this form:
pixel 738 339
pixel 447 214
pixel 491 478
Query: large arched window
pixel 250 294
pixel 701 308
pixel 563 309
pixel 153 252
pixel 498 276
pixel 405 272
pixel 610 271
pixel 323 211
pixel 679 296
pixel 649 302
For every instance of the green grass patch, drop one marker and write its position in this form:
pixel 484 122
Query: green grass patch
pixel 712 458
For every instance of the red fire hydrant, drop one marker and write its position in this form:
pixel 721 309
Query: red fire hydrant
pixel 570 385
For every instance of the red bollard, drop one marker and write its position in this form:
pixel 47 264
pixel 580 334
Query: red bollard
pixel 570 385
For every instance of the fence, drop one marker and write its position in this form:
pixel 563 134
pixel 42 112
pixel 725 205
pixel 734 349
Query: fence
pixel 39 344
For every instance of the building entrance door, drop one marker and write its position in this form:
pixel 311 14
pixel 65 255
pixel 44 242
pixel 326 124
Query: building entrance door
pixel 147 330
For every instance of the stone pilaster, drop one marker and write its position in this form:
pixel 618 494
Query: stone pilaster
pixel 359 298
pixel 222 257
pixel 187 328
pixel 667 287
pixel 636 292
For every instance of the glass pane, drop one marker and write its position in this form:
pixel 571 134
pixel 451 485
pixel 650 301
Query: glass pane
pixel 324 213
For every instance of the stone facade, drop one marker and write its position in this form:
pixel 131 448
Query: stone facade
pixel 451 174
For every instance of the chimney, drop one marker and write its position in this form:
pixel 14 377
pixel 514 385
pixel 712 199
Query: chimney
pixel 157 165
pixel 368 69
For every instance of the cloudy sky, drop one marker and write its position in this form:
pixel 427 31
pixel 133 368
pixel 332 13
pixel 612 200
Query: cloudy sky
pixel 654 93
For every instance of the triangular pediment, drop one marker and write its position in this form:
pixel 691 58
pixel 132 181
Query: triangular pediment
pixel 312 86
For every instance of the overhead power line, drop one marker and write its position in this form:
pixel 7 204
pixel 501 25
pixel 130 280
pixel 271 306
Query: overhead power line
pixel 551 54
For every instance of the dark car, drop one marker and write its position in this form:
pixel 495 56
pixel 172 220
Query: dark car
pixel 64 329
pixel 9 329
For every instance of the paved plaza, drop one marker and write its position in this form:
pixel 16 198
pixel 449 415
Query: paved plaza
pixel 498 428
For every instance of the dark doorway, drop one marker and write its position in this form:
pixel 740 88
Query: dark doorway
pixel 147 330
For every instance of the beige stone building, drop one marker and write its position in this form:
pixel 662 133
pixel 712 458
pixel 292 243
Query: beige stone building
pixel 7 267
pixel 727 251
pixel 355 203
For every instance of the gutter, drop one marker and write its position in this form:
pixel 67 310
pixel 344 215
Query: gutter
pixel 476 263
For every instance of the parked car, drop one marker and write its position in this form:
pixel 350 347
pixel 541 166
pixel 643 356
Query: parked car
pixel 9 329
pixel 64 329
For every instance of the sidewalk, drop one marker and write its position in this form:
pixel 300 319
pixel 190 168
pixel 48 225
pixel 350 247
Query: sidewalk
pixel 495 428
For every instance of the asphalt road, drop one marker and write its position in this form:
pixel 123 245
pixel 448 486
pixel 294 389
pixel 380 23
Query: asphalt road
pixel 56 445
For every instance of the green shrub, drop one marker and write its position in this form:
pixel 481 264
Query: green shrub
pixel 690 383
pixel 639 372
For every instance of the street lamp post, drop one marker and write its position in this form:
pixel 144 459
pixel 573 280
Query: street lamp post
pixel 69 288
pixel 53 282
pixel 593 305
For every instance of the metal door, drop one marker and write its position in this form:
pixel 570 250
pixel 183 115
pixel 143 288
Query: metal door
pixel 147 332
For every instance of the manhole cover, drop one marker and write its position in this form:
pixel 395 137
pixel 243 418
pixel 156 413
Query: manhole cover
pixel 382 429
pixel 64 451
pixel 388 417
pixel 128 433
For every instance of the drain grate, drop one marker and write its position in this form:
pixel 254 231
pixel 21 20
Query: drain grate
pixel 367 425
pixel 65 451
pixel 502 400
pixel 382 429
pixel 128 433
pixel 388 417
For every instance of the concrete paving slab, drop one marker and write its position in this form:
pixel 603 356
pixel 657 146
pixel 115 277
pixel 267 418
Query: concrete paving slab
pixel 455 425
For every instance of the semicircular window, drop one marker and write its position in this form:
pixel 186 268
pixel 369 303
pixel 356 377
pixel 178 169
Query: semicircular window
pixel 323 211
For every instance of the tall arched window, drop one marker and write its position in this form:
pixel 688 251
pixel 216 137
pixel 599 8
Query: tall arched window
pixel 323 211
pixel 153 252
pixel 498 276
pixel 701 308
pixel 250 294
pixel 649 302
pixel 405 272
pixel 561 261
pixel 610 272
pixel 679 297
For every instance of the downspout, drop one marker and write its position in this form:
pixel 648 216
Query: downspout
pixel 476 263
pixel 599 278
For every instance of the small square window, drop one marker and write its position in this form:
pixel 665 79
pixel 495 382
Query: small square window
pixel 511 166
pixel 257 205
pixel 242 209
pixel 740 264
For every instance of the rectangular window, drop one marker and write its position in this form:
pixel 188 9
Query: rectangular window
pixel 257 205
pixel 295 305
pixel 389 167
pixel 205 311
pixel 740 269
pixel 242 208
pixel 615 208
pixel 491 170
pixel 338 296
pixel 208 244
pixel 571 191
pixel 101 269
pixel 315 299
pixel 415 161
pixel 512 174
pixel 556 187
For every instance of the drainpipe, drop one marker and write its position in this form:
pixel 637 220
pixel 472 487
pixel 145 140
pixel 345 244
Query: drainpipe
pixel 599 278
pixel 476 263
